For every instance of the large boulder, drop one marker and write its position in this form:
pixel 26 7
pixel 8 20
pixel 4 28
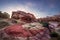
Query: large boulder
pixel 26 17
pixel 3 24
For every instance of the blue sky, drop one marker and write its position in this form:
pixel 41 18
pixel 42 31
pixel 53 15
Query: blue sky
pixel 40 8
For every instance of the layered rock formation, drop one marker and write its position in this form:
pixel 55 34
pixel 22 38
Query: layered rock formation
pixel 55 18
pixel 26 17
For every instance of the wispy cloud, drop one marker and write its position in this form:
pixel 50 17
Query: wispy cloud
pixel 51 5
pixel 30 4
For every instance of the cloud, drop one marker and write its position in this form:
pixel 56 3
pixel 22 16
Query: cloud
pixel 52 5
pixel 29 4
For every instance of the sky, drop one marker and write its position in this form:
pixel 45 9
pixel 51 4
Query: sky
pixel 40 8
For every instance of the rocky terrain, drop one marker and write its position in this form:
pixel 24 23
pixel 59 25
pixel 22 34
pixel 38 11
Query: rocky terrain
pixel 25 26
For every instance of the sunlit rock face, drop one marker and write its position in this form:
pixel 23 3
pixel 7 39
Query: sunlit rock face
pixel 23 16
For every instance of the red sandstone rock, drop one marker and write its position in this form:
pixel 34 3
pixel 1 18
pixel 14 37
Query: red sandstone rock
pixel 26 17
pixel 17 30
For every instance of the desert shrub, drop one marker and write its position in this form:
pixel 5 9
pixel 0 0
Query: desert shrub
pixel 3 24
pixel 4 15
